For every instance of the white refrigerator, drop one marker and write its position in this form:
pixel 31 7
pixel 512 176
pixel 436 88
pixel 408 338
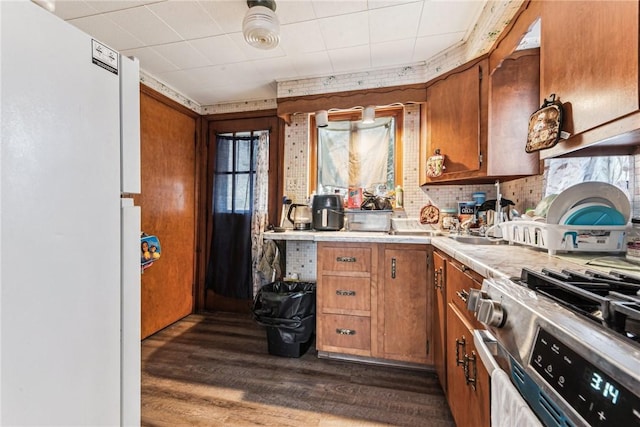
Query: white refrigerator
pixel 70 236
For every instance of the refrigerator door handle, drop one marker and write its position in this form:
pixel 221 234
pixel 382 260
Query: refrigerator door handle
pixel 130 125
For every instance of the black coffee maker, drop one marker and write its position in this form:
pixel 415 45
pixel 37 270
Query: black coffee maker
pixel 328 212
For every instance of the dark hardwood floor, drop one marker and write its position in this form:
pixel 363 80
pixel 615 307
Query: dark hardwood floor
pixel 215 370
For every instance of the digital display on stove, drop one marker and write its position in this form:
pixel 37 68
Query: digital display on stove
pixel 598 398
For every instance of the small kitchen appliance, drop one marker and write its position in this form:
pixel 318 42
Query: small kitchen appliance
pixel 301 219
pixel 328 212
pixel 569 340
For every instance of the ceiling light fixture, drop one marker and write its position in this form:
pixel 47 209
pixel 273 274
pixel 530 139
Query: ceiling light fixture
pixel 322 118
pixel 260 26
pixel 368 115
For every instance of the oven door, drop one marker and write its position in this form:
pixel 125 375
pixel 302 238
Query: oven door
pixel 508 407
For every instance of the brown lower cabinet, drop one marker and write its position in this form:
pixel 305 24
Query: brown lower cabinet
pixel 372 301
pixel 467 384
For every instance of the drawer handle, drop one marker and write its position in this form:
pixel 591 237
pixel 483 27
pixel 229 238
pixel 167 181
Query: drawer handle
pixel 346 259
pixel 463 295
pixel 460 343
pixel 343 331
pixel 470 365
pixel 345 293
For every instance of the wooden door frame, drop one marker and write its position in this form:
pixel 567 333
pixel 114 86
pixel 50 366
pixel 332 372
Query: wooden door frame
pixel 233 122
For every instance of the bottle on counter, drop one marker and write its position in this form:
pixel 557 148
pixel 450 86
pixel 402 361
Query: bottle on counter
pixel 399 197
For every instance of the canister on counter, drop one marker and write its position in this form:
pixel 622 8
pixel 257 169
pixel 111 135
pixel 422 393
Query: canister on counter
pixel 448 218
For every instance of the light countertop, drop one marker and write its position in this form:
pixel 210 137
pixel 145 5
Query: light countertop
pixel 487 260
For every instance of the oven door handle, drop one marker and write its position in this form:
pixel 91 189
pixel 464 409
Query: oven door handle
pixel 487 347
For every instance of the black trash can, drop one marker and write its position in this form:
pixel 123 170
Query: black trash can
pixel 288 310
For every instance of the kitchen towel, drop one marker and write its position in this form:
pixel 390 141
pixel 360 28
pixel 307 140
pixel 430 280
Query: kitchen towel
pixel 508 408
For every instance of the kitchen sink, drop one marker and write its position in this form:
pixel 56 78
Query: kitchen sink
pixel 477 240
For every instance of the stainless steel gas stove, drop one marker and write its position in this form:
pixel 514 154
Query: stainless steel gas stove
pixel 570 341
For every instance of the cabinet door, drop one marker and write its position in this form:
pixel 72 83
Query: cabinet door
pixel 404 326
pixel 468 389
pixel 514 96
pixel 589 59
pixel 454 122
pixel 439 317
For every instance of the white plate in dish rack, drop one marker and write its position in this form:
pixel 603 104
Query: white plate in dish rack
pixel 588 192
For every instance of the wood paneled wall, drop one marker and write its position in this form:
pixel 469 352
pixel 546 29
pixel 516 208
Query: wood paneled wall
pixel 168 202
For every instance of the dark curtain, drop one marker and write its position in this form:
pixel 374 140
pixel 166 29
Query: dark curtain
pixel 229 267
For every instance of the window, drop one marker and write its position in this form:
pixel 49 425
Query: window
pixel 562 173
pixel 349 154
pixel 235 172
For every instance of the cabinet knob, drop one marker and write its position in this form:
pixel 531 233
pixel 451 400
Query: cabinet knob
pixel 474 298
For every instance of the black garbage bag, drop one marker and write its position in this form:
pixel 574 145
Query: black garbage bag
pixel 288 306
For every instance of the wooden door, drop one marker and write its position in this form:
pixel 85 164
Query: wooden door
pixel 168 209
pixel 403 304
pixel 232 123
pixel 439 317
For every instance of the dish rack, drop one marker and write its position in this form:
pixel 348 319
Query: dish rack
pixel 567 238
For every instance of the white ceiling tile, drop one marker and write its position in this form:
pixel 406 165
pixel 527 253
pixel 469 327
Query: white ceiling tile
pixel 150 60
pixel 182 82
pixel 219 49
pixel 375 4
pixel 326 8
pixel 289 11
pixel 146 26
pixel 346 30
pixel 69 9
pixel 350 58
pixel 106 31
pixel 312 64
pixel 184 54
pixel 301 37
pixel 281 68
pixel 427 47
pixel 104 6
pixel 394 23
pixel 440 17
pixel 228 14
pixel 393 53
pixel 249 91
pixel 228 74
pixel 187 18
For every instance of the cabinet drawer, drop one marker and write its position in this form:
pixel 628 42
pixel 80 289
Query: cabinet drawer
pixel 346 332
pixel 345 293
pixel 344 258
pixel 460 280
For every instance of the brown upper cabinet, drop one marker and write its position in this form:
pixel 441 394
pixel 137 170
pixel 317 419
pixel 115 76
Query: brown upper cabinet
pixel 478 119
pixel 589 59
